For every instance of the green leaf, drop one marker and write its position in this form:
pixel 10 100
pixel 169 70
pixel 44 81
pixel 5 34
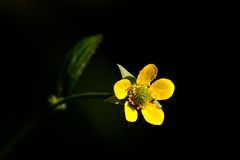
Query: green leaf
pixel 157 103
pixel 75 63
pixel 126 74
pixel 114 99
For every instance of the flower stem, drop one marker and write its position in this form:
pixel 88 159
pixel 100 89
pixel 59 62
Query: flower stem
pixel 42 115
pixel 88 95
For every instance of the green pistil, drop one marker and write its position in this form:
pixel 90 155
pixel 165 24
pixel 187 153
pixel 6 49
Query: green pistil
pixel 138 95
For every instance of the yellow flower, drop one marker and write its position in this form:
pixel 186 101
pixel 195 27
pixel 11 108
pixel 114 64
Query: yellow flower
pixel 142 95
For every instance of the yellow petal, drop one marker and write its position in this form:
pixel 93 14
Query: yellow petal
pixel 131 114
pixel 147 74
pixel 162 89
pixel 153 114
pixel 121 88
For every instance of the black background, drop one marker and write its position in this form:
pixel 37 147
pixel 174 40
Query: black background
pixel 38 34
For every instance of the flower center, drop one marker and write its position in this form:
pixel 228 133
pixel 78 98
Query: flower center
pixel 138 95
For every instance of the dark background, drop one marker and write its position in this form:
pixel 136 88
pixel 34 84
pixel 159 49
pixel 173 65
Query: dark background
pixel 37 35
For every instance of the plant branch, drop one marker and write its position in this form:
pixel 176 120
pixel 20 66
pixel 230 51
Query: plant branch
pixel 88 95
pixel 42 115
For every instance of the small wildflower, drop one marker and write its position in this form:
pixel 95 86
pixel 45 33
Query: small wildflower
pixel 142 95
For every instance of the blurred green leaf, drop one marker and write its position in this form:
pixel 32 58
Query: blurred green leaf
pixel 75 63
pixel 126 74
pixel 61 107
pixel 54 100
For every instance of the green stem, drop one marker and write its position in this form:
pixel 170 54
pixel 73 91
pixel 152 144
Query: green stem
pixel 41 116
pixel 88 95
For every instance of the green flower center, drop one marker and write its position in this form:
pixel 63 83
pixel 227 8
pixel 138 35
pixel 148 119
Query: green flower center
pixel 138 95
